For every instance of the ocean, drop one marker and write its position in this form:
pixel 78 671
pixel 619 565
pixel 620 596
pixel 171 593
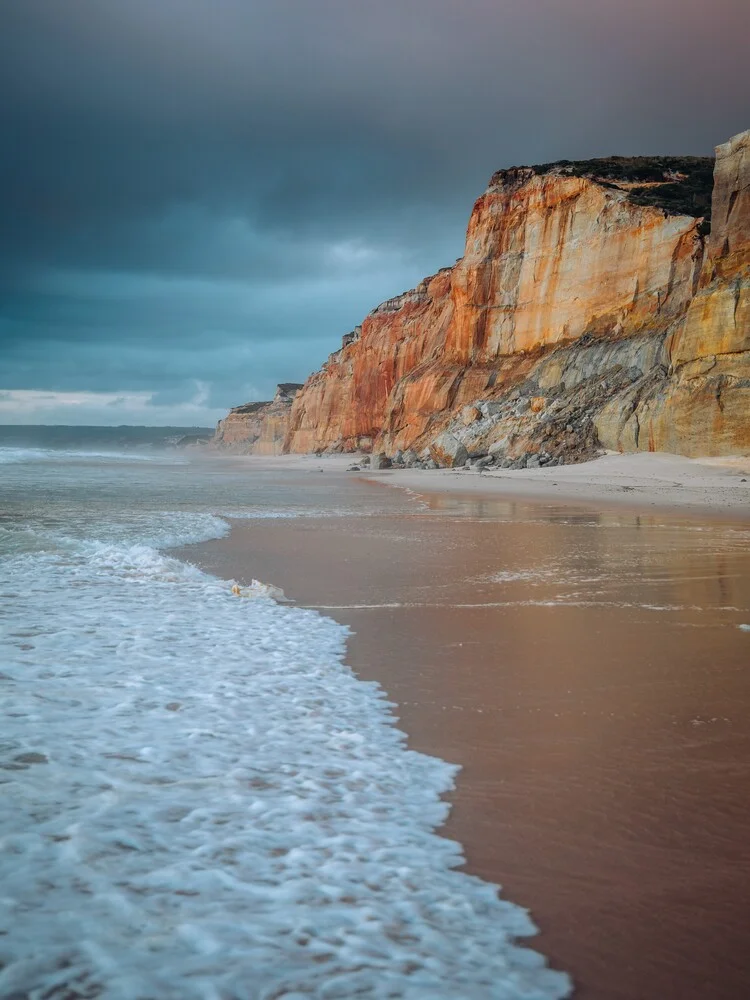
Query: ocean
pixel 198 798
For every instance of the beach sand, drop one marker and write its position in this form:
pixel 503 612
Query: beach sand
pixel 583 663
pixel 643 481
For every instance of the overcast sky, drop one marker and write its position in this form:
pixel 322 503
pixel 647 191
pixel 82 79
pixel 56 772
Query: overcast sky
pixel 199 197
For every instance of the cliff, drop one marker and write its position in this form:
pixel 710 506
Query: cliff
pixel 258 428
pixel 590 310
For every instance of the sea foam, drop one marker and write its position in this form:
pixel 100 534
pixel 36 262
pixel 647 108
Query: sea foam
pixel 200 801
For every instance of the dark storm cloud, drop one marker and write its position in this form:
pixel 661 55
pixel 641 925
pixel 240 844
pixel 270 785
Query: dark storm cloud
pixel 212 191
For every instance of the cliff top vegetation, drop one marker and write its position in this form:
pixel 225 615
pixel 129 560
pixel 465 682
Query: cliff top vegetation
pixel 679 185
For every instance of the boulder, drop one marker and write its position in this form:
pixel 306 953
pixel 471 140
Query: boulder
pixel 448 451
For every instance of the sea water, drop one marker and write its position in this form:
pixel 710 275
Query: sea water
pixel 198 799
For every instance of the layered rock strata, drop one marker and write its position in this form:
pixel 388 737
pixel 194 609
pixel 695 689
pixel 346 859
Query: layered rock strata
pixel 590 310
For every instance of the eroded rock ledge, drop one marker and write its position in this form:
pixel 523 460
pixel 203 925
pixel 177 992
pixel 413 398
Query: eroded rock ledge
pixel 591 310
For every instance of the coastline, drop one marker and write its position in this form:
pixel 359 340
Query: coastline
pixel 601 757
pixel 702 487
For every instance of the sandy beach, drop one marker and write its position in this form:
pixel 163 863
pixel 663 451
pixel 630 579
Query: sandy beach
pixel 577 649
pixel 701 486
pixel 707 486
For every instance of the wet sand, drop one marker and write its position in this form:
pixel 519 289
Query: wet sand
pixel 586 669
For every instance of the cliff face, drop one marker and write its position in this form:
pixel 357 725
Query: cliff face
pixel 551 258
pixel 589 311
pixel 552 261
pixel 258 428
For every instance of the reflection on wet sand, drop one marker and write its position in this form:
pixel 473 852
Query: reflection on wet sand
pixel 587 670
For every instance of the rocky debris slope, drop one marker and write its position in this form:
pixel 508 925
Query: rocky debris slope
pixel 258 428
pixel 590 311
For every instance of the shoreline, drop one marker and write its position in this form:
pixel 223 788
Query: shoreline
pixel 512 690
pixel 654 482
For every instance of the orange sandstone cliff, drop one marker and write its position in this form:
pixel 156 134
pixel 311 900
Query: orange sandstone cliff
pixel 590 310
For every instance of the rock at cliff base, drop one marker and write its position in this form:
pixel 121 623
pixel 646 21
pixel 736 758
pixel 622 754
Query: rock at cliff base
pixel 446 449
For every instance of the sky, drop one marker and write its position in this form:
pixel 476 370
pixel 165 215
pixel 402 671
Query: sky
pixel 198 198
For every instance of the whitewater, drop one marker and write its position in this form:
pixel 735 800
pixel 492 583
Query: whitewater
pixel 199 800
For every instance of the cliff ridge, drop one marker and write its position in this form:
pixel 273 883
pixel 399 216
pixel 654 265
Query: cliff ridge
pixel 599 304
